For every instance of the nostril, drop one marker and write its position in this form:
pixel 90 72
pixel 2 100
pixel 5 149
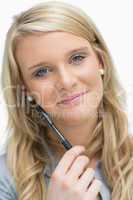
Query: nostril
pixel 66 84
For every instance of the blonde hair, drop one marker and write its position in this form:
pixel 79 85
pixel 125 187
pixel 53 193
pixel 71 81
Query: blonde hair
pixel 26 141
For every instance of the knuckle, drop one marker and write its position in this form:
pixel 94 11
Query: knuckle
pixel 65 184
pixel 74 151
pixel 91 170
pixel 83 158
pixel 78 147
pixel 72 154
pixel 97 182
pixel 55 176
pixel 77 192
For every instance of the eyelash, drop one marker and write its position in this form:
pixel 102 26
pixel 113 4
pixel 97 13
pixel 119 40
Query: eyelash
pixel 45 68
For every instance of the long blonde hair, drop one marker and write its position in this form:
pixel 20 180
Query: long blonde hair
pixel 26 156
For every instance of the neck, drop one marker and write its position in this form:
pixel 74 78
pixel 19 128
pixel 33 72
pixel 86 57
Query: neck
pixel 76 134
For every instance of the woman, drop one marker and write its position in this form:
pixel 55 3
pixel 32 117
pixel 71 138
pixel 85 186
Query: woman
pixel 53 52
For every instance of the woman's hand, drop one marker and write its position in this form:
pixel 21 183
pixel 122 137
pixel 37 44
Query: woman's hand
pixel 72 179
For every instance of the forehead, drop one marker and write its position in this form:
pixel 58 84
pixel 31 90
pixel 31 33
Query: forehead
pixel 50 45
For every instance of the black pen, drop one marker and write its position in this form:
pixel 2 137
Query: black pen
pixel 44 116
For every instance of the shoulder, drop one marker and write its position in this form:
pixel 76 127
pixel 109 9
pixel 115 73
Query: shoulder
pixel 4 171
pixel 105 191
pixel 7 185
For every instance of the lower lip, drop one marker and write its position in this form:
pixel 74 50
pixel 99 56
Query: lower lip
pixel 73 101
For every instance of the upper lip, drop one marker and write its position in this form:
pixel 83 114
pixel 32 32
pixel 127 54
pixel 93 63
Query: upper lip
pixel 69 98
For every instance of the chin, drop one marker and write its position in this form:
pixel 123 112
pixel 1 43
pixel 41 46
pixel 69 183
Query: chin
pixel 74 118
pixel 74 115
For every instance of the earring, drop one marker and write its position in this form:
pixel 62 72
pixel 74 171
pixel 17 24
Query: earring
pixel 101 71
pixel 29 98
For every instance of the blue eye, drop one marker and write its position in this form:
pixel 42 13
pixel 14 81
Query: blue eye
pixel 44 71
pixel 41 72
pixel 78 58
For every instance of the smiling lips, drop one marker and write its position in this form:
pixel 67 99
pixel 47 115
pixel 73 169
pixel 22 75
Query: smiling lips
pixel 72 98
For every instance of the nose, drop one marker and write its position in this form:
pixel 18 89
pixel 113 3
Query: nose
pixel 66 78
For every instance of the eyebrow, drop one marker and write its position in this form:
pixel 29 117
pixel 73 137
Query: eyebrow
pixel 67 54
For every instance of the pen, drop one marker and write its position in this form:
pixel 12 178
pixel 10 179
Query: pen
pixel 44 116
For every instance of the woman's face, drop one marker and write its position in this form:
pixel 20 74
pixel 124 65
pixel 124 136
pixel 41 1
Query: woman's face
pixel 58 65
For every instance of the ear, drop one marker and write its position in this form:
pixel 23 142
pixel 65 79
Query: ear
pixel 100 66
pixel 100 61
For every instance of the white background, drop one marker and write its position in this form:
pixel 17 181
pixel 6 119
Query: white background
pixel 114 20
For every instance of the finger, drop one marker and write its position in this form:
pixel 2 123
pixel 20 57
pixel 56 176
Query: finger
pixel 86 179
pixel 93 189
pixel 78 167
pixel 68 158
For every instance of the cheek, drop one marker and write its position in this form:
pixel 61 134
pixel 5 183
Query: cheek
pixel 93 81
pixel 45 94
pixel 90 74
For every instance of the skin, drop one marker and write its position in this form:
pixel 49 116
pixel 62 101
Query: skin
pixel 72 179
pixel 63 77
